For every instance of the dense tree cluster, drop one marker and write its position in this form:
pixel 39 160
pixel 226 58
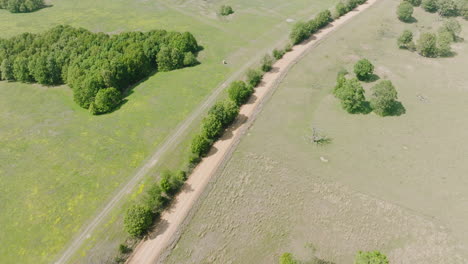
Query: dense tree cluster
pixel 446 8
pixel 303 30
pixel 98 67
pixel 21 6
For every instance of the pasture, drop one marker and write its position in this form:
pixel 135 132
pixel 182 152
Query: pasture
pixel 59 164
pixel 395 184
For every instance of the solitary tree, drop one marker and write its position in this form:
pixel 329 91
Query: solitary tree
pixel 384 97
pixel 363 69
pixel 405 41
pixel 371 257
pixel 137 220
pixel 226 10
pixel 405 11
pixel 427 45
pixel 352 96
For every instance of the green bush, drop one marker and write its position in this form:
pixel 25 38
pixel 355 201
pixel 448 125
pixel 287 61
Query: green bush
pixel 352 96
pixel 226 10
pixel 106 100
pixel 452 26
pixel 287 258
pixel 323 18
pixel 429 5
pixel 340 83
pixel 239 92
pixel 154 199
pixel 254 77
pixel 372 257
pixel 447 8
pixel 267 63
pixel 384 96
pixel 278 54
pixel 341 9
pixel 444 42
pixel 363 69
pixel 200 146
pixel 288 47
pixel 312 26
pixel 225 111
pixel 212 128
pixel 171 182
pixel 137 220
pixel 299 32
pixel 405 41
pixel 405 11
pixel 414 2
pixel 124 249
pixel 427 45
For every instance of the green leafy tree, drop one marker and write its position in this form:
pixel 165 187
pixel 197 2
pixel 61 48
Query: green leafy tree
pixel 137 220
pixel 447 8
pixel 239 92
pixel 254 77
pixel 267 63
pixel 405 11
pixel 429 5
pixel 371 257
pixel 287 258
pixel 405 41
pixel 352 96
pixel 212 127
pixel 21 6
pixel 106 100
pixel 21 70
pixel 363 69
pixel 225 111
pixel 444 42
pixel 452 26
pixel 171 182
pixel 190 59
pixel 427 45
pixel 323 18
pixel 6 70
pixel 414 2
pixel 154 198
pixel 200 145
pixel 340 83
pixel 278 54
pixel 384 96
pixel 341 9
pixel 299 32
pixel 226 10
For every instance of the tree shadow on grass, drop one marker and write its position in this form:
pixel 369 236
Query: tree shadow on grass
pixel 365 109
pixel 397 109
pixel 372 78
pixel 411 20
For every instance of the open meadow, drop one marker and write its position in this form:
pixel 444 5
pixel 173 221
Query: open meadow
pixel 396 184
pixel 59 164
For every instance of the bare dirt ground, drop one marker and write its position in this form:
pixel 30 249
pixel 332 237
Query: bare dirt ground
pixel 150 250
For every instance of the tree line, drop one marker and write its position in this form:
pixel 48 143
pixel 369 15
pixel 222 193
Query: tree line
pixel 362 257
pixel 98 67
pixel 21 6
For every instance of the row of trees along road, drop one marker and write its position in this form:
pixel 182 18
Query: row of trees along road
pixel 98 67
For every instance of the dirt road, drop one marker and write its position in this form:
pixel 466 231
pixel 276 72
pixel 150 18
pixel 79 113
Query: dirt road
pixel 150 250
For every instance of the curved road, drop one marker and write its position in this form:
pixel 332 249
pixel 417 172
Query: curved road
pixel 151 249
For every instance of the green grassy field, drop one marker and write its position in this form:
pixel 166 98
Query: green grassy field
pixel 59 164
pixel 396 184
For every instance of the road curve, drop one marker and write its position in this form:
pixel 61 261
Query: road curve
pixel 151 249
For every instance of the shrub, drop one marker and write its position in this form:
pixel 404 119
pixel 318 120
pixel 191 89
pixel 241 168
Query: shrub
pixel 352 96
pixel 287 258
pixel 267 63
pixel 212 128
pixel 226 10
pixel 341 9
pixel 414 2
pixel 288 47
pixel 447 8
pixel 190 59
pixel 278 54
pixel 106 100
pixel 137 220
pixel 405 41
pixel 299 33
pixel 429 5
pixel 452 26
pixel 239 92
pixel 225 111
pixel 323 18
pixel 124 249
pixel 383 99
pixel 6 70
pixel 444 41
pixel 427 45
pixel 363 69
pixel 405 11
pixel 340 83
pixel 154 199
pixel 254 77
pixel 171 182
pixel 200 145
pixel 312 26
pixel 372 257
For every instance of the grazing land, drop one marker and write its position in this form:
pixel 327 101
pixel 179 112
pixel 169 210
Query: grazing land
pixel 395 184
pixel 59 165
